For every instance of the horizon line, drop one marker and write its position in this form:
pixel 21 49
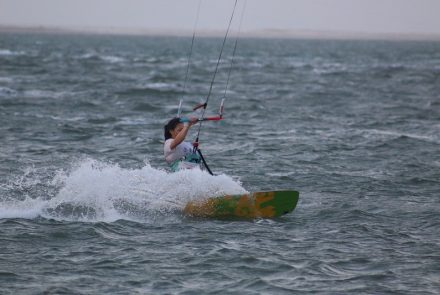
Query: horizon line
pixel 268 33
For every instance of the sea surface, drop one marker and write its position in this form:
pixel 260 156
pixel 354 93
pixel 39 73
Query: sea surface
pixel 88 206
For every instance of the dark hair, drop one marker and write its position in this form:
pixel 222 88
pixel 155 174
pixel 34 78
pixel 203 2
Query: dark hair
pixel 170 126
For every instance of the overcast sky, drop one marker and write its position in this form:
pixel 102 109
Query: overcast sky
pixel 372 16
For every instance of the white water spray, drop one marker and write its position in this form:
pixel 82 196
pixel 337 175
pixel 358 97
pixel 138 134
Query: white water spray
pixel 96 191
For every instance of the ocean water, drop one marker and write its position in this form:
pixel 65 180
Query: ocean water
pixel 87 205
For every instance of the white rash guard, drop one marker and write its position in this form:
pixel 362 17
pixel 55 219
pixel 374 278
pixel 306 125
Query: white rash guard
pixel 178 157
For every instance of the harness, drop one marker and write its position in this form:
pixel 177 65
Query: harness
pixel 189 161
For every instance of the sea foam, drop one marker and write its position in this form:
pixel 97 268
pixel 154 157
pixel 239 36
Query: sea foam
pixel 96 191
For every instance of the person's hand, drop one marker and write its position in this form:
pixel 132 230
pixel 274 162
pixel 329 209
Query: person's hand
pixel 193 120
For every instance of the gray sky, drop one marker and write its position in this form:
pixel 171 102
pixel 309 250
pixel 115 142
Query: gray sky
pixel 371 16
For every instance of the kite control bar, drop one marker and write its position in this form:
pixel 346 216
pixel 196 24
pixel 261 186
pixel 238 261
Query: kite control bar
pixel 186 120
pixel 203 105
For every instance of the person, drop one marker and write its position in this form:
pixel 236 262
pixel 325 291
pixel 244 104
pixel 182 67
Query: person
pixel 178 153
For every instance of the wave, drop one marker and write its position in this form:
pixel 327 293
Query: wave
pixel 36 93
pixel 153 88
pixel 5 92
pixel 94 191
pixel 112 59
pixel 106 58
pixel 6 80
pixel 7 52
pixel 399 135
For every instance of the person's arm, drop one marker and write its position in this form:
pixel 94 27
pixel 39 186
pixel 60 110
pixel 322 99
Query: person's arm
pixel 182 134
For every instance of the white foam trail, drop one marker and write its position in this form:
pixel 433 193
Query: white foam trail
pixel 96 191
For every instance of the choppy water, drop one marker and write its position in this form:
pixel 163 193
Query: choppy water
pixel 87 206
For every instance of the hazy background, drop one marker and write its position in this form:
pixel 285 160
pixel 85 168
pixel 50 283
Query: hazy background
pixel 366 16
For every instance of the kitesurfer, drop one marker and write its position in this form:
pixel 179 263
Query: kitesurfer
pixel 180 154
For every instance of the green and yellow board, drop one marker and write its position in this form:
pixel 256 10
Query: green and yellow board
pixel 253 205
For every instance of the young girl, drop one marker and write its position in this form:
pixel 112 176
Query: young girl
pixel 178 153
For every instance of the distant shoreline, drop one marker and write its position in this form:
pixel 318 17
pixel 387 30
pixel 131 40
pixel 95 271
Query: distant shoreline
pixel 264 34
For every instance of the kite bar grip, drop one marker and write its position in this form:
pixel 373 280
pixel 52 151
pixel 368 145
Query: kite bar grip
pixel 212 119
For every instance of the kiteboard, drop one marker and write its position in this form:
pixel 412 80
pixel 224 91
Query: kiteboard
pixel 249 206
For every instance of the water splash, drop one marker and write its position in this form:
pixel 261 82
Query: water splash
pixel 96 191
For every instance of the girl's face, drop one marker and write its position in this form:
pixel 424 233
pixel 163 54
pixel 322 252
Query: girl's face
pixel 176 130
